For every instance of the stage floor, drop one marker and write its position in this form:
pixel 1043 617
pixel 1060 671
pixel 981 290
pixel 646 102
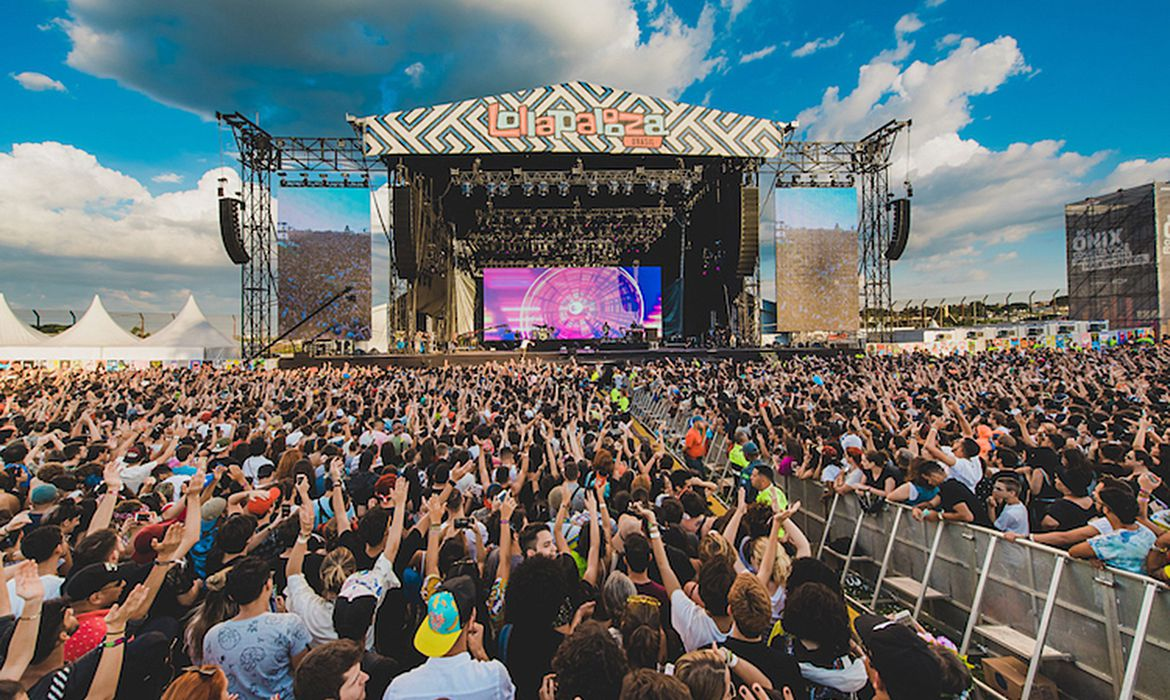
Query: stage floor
pixel 476 357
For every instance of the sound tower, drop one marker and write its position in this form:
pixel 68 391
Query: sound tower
pixel 901 228
pixel 749 231
pixel 230 231
pixel 405 256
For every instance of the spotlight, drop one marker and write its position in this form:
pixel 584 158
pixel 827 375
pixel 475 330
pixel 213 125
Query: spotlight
pixel 504 189
pixel 591 188
pixel 465 188
pixel 491 189
pixel 628 188
pixel 528 187
pixel 614 185
pixel 542 188
pixel 652 187
pixel 563 188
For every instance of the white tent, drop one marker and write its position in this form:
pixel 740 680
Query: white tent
pixel 95 329
pixel 13 332
pixel 191 331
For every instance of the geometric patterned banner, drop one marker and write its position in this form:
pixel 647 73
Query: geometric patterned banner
pixel 571 118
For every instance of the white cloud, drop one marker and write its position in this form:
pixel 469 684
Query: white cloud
pixel 328 59
pixel 415 71
pixel 757 55
pixel 167 178
pixel 59 200
pixel 934 3
pixel 971 201
pixel 811 47
pixel 734 7
pixel 948 41
pixel 38 82
pixel 907 24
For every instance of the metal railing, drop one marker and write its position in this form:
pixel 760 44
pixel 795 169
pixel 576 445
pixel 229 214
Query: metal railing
pixel 1097 633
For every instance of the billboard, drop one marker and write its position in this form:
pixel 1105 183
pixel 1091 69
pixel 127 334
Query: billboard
pixel 313 267
pixel 815 252
pixel 570 303
pixel 1112 258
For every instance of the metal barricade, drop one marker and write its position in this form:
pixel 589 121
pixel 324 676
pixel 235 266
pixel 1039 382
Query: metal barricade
pixel 1096 633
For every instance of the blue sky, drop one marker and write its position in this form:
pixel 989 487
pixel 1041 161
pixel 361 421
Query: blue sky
pixel 108 148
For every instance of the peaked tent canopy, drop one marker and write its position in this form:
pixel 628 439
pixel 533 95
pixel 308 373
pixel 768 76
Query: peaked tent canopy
pixel 95 329
pixel 13 331
pixel 191 329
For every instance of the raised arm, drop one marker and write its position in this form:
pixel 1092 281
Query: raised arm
pixel 108 501
pixel 769 561
pixel 24 638
pixel 337 495
pixel 669 579
pixel 397 521
pixel 592 567
pixel 109 669
pixel 504 565
pixel 559 523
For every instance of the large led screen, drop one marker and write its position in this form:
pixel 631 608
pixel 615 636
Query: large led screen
pixel 314 266
pixel 570 303
pixel 816 260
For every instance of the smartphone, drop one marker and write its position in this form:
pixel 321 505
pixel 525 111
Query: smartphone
pixel 285 510
pixel 462 523
pixel 142 517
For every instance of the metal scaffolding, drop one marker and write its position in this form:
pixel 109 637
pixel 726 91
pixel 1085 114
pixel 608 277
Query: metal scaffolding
pixel 843 164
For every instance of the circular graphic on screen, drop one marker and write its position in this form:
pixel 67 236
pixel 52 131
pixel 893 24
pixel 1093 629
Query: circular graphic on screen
pixel 578 302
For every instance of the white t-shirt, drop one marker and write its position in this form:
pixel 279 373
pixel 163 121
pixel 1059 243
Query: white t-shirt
pixel 968 472
pixel 315 611
pixel 251 468
pixel 52 584
pixel 1013 518
pixel 458 677
pixel 694 626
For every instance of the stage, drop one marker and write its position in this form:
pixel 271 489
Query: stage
pixel 627 355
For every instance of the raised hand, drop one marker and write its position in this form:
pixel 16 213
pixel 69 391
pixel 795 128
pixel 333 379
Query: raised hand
pixel 28 583
pixel 507 508
pixel 169 543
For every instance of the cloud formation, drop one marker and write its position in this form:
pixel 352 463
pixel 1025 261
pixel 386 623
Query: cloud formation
pixel 757 55
pixel 312 62
pixel 973 205
pixel 811 47
pixel 167 178
pixel 38 82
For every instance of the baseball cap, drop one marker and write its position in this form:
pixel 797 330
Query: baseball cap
pixel 213 508
pixel 45 493
pixel 259 505
pixel 448 610
pixel 908 669
pixel 91 579
pixel 144 542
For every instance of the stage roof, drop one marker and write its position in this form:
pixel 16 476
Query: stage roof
pixel 572 117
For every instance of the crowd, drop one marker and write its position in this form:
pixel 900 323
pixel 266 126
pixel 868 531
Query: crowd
pixel 507 530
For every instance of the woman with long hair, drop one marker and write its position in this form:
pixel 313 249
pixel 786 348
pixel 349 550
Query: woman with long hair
pixel 215 608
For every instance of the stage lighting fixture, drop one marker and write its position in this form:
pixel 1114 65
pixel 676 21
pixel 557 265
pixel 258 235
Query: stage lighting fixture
pixel 542 188
pixel 465 188
pixel 563 188
pixel 652 187
pixel 504 189
pixel 591 188
pixel 528 188
pixel 491 189
pixel 613 186
pixel 628 188
pixel 687 185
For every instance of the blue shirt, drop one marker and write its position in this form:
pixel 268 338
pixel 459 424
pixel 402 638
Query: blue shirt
pixel 1124 549
pixel 256 654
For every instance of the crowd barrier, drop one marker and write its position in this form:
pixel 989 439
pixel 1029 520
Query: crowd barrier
pixel 1097 633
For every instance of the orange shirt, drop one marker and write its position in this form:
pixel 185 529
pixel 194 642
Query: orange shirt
pixel 696 445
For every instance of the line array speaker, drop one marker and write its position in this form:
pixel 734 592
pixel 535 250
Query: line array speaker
pixel 901 232
pixel 405 255
pixel 749 231
pixel 230 231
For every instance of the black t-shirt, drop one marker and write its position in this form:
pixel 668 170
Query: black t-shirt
pixel 781 668
pixel 953 492
pixel 1069 515
pixel 530 654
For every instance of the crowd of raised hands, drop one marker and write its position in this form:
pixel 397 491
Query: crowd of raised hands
pixel 509 529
